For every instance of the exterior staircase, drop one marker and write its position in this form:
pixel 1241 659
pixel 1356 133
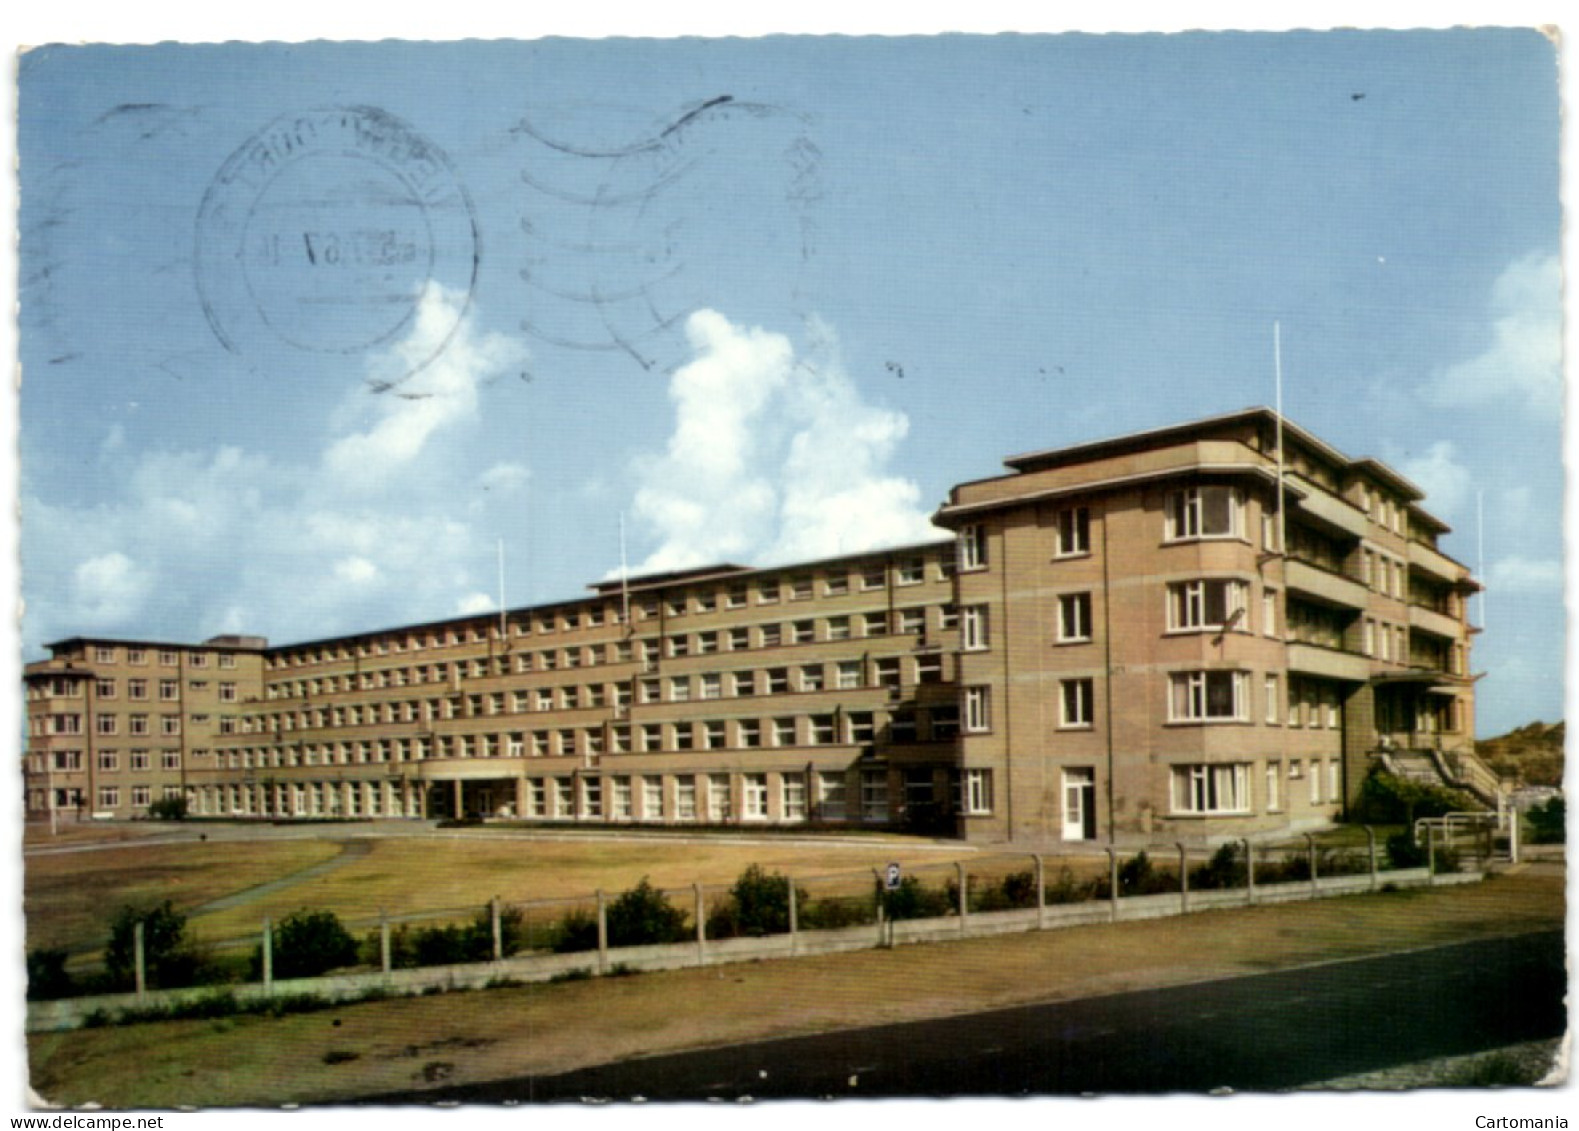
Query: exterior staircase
pixel 1459 769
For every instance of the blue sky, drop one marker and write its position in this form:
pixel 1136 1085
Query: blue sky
pixel 766 299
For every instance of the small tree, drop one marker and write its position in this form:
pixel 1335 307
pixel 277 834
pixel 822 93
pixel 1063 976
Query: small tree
pixel 307 944
pixel 168 959
pixel 1548 822
pixel 758 905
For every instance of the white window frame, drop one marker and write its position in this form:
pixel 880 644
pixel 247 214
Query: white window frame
pixel 1075 616
pixel 976 793
pixel 1077 703
pixel 972 545
pixel 1211 788
pixel 1072 533
pixel 1190 697
pixel 1189 605
pixel 974 628
pixel 977 714
pixel 1188 509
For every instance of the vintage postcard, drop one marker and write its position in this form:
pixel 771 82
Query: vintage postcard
pixel 792 568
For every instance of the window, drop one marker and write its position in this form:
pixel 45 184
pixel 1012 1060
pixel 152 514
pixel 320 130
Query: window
pixel 874 795
pixel 862 726
pixel 1207 697
pixel 874 577
pixel 811 677
pixel 888 672
pixel 749 731
pixel 651 736
pixel 1273 781
pixel 109 761
pixel 685 799
pixel 109 796
pixel 1205 512
pixel 1315 781
pixel 1273 695
pixel 978 709
pixel 822 730
pixel 911 571
pixel 973 628
pixel 105 724
pixel 139 761
pixel 718 799
pixel 972 546
pixel 1211 789
pixel 838 628
pixel 875 624
pixel 713 735
pixel 929 668
pixel 976 792
pixel 1332 780
pixel 1269 611
pixel 137 688
pixel 784 732
pixel 803 631
pixel 683 736
pixel 770 635
pixel 837 585
pixel 140 656
pixel 652 798
pixel 706 643
pixel 170 724
pixel 792 797
pixel 737 597
pixel 800 588
pixel 680 689
pixel 1077 702
pixel 912 622
pixel 137 724
pixel 768 593
pixel 1074 617
pixel 1206 604
pixel 830 796
pixel 170 690
pixel 104 688
pixel 592 797
pixel 847 674
pixel 778 681
pixel 679 646
pixel 945 722
pixel 623 806
pixel 754 797
pixel 711 686
pixel 564 799
pixel 1073 532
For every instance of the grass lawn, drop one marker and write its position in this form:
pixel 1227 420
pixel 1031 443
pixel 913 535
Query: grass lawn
pixel 385 1046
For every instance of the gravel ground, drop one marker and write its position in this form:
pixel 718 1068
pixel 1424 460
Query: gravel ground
pixel 1533 1064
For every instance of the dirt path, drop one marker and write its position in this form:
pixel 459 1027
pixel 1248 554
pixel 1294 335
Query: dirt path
pixel 350 852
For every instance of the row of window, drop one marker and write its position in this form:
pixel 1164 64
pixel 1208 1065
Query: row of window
pixel 106 687
pixel 703 797
pixel 906 571
pixel 908 621
pixel 168 657
pixel 1206 789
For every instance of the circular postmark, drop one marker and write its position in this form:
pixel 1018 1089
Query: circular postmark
pixel 327 230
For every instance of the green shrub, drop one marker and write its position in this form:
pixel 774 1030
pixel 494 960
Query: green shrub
pixel 1064 888
pixel 1226 869
pixel 170 958
pixel 1403 852
pixel 1548 822
pixel 643 916
pixel 168 809
pixel 757 905
pixel 912 900
pixel 577 931
pixel 307 944
pixel 1386 799
pixel 834 913
pixel 47 978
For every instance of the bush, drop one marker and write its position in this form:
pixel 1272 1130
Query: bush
pixel 642 916
pixel 833 913
pixel 168 809
pixel 757 905
pixel 170 959
pixel 307 944
pixel 1548 822
pixel 1403 852
pixel 451 945
pixel 577 931
pixel 1066 889
pixel 1224 870
pixel 47 978
pixel 1386 799
pixel 911 900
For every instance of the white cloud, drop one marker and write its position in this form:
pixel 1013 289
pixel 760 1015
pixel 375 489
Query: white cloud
pixel 772 457
pixel 109 590
pixel 410 410
pixel 1446 482
pixel 225 540
pixel 474 603
pixel 1517 574
pixel 1524 359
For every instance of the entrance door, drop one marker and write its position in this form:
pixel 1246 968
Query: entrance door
pixel 1080 804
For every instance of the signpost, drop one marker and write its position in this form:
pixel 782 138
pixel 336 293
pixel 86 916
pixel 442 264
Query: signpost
pixel 891 877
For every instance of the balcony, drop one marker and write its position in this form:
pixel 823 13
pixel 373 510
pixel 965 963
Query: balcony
pixel 1333 513
pixel 1311 659
pixel 1437 565
pixel 1437 624
pixel 1329 588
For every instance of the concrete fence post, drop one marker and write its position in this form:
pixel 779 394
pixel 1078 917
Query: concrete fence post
pixel 794 927
pixel 1250 872
pixel 603 932
pixel 1184 879
pixel 964 894
pixel 1430 854
pixel 268 956
pixel 498 931
pixel 701 927
pixel 884 938
pixel 1041 892
pixel 1370 851
pixel 1112 884
pixel 1310 853
pixel 383 941
pixel 139 960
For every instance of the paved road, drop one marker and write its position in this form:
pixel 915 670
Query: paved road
pixel 1261 1033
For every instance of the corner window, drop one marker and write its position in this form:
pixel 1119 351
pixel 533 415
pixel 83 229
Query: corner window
pixel 1207 604
pixel 1211 789
pixel 1205 512
pixel 1217 696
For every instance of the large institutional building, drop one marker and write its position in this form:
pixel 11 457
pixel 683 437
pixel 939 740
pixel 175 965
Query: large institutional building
pixel 1181 633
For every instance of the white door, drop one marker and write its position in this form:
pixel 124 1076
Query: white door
pixel 1080 818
